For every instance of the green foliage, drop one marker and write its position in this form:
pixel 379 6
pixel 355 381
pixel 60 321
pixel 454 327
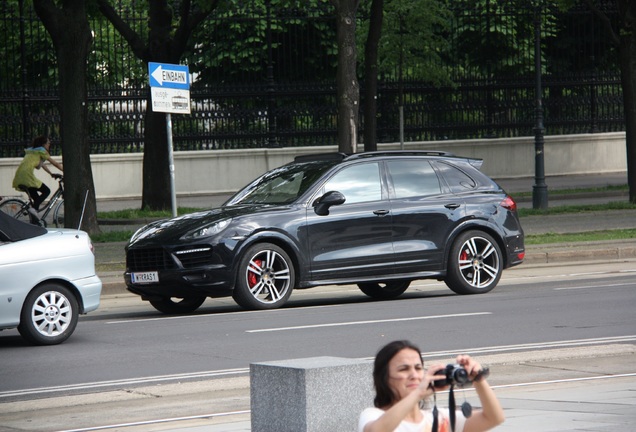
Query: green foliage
pixel 414 40
pixel 501 44
pixel 234 43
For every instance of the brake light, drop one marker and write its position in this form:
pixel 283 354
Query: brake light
pixel 509 203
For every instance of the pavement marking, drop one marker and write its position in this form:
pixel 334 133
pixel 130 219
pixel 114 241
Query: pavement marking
pixel 366 322
pixel 626 285
pixel 238 371
pixel 214 315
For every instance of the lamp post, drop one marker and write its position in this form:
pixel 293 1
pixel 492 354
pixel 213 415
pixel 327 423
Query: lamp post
pixel 26 115
pixel 539 189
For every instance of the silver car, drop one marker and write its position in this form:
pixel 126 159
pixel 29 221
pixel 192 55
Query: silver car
pixel 47 278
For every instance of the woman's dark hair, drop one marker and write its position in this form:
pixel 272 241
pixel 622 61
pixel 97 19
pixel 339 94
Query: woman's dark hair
pixel 39 141
pixel 384 395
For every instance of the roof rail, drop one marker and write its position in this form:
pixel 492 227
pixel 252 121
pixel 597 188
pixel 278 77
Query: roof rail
pixel 400 153
pixel 320 156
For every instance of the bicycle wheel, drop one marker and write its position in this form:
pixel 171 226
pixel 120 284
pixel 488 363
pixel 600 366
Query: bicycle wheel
pixel 17 209
pixel 58 214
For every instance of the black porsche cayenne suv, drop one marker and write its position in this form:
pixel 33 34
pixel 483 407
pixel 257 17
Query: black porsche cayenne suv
pixel 378 219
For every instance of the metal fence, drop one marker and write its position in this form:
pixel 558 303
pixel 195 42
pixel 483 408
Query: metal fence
pixel 264 76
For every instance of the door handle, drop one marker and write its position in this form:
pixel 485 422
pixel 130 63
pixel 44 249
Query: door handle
pixel 452 206
pixel 380 212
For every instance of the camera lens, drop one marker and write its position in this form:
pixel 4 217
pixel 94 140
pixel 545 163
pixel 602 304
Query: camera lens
pixel 460 376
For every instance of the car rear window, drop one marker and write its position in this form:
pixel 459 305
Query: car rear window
pixel 413 178
pixel 457 180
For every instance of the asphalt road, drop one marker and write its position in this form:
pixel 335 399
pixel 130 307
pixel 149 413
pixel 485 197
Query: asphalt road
pixel 128 363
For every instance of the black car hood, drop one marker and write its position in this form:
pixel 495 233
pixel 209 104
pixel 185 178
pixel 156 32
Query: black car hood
pixel 172 230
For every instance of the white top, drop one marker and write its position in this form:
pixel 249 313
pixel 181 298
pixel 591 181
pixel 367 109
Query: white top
pixel 371 414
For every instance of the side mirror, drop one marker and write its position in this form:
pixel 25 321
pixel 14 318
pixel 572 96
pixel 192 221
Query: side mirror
pixel 322 204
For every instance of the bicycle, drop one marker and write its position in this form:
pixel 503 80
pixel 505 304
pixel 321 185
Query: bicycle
pixel 23 210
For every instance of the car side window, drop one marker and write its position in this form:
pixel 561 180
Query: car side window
pixel 412 178
pixel 457 180
pixel 358 183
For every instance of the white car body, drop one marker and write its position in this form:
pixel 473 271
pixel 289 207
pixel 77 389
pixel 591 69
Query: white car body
pixel 49 266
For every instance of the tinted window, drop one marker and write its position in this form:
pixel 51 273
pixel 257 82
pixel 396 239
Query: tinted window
pixel 413 178
pixel 457 179
pixel 282 185
pixel 358 183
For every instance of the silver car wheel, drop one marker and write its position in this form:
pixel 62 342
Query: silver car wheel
pixel 479 262
pixel 51 314
pixel 475 263
pixel 267 276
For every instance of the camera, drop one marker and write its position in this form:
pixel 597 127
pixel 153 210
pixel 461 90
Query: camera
pixel 453 374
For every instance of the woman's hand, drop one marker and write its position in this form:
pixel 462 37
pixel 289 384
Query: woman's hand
pixel 431 376
pixel 473 368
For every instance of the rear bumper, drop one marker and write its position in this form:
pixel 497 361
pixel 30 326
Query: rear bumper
pixel 90 289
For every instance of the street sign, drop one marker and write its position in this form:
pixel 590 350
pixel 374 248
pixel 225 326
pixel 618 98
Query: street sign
pixel 169 76
pixel 170 100
pixel 169 87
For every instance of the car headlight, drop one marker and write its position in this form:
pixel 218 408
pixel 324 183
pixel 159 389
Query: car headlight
pixel 207 230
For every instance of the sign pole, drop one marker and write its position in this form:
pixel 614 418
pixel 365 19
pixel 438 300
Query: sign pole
pixel 173 193
pixel 170 92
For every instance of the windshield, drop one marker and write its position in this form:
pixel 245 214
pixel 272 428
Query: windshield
pixel 282 185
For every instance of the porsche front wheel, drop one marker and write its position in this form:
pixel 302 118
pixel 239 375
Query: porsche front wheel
pixel 265 278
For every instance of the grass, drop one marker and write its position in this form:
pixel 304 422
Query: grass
pixel 549 238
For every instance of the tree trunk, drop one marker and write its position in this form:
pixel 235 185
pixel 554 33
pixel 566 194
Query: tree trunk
pixel 627 53
pixel 371 76
pixel 347 80
pixel 156 170
pixel 72 38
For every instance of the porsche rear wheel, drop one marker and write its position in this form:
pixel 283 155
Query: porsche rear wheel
pixel 475 264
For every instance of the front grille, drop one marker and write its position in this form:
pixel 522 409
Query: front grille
pixel 195 256
pixel 149 259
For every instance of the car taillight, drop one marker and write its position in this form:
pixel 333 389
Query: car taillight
pixel 509 204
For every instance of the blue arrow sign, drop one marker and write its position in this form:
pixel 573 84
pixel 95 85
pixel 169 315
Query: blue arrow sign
pixel 169 76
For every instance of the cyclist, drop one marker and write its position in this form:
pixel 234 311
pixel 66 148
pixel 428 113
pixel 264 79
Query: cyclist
pixel 25 180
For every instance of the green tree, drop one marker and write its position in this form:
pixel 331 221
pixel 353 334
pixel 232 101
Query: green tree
pixel 402 34
pixel 165 40
pixel 623 35
pixel 67 23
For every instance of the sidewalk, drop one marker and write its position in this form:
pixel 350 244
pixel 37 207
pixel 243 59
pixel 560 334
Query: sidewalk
pixel 570 389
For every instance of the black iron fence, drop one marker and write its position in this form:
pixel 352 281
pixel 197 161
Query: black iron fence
pixel 264 76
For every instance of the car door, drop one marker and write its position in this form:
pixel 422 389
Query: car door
pixel 424 213
pixel 355 239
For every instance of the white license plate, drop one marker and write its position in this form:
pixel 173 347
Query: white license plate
pixel 144 277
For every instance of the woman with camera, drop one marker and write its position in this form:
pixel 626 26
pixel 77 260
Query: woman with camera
pixel 401 385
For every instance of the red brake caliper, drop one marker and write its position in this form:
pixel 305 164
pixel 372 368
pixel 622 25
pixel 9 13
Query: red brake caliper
pixel 464 255
pixel 252 278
